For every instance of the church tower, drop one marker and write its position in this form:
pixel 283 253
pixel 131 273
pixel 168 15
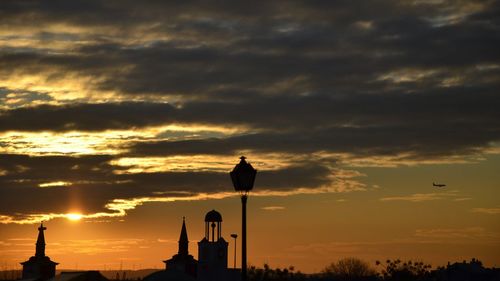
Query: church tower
pixel 183 261
pixel 183 240
pixel 212 250
pixel 39 266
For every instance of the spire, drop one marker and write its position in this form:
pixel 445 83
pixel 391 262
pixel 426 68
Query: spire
pixel 40 242
pixel 183 239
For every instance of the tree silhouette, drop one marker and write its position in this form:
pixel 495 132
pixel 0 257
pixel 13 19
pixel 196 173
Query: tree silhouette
pixel 349 269
pixel 396 270
pixel 278 274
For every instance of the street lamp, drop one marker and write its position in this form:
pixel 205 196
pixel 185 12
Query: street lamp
pixel 243 177
pixel 234 235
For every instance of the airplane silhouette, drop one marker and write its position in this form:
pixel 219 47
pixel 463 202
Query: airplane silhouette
pixel 438 185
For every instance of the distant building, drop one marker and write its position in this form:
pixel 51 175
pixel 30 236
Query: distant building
pixel 91 275
pixel 39 267
pixel 183 261
pixel 169 275
pixel 466 271
pixel 212 257
pixel 212 250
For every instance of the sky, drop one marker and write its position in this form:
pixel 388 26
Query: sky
pixel 118 118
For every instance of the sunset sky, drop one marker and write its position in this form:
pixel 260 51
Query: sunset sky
pixel 118 118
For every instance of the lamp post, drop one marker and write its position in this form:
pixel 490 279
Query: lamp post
pixel 243 177
pixel 234 235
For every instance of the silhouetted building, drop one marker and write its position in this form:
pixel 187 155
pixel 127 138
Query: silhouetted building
pixel 212 250
pixel 212 257
pixel 91 275
pixel 474 270
pixel 183 261
pixel 39 266
pixel 169 275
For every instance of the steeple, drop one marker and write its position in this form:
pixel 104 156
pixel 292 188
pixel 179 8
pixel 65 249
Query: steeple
pixel 40 242
pixel 183 239
pixel 183 261
pixel 39 266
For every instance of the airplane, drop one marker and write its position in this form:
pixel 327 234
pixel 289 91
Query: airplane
pixel 438 185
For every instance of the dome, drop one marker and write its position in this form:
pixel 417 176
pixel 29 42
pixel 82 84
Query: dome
pixel 213 216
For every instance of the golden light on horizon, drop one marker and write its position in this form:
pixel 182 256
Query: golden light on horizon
pixel 55 184
pixel 74 216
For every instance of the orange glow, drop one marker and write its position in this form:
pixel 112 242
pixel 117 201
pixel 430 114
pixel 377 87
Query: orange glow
pixel 74 216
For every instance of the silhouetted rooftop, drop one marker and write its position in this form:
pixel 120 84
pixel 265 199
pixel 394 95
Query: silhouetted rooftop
pixel 168 275
pixel 90 275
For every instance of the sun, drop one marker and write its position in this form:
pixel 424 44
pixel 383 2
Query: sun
pixel 74 217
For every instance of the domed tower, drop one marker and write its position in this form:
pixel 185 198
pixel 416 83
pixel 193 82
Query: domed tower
pixel 212 250
pixel 213 221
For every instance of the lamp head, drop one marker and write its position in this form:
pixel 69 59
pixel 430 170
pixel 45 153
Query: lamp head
pixel 243 176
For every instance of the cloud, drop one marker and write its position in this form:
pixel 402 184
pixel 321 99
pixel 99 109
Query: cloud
pixel 86 117
pixel 398 124
pixel 97 246
pixel 115 98
pixel 421 239
pixel 273 208
pixel 422 197
pixel 462 199
pixel 490 211
pixel 96 188
pixel 55 183
pixel 455 233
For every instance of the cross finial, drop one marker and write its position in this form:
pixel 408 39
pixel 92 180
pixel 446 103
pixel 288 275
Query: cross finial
pixel 41 226
pixel 40 242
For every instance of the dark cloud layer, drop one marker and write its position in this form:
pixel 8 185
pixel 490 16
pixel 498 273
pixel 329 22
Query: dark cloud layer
pixel 86 117
pixel 428 123
pixel 365 78
pixel 94 184
pixel 221 51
